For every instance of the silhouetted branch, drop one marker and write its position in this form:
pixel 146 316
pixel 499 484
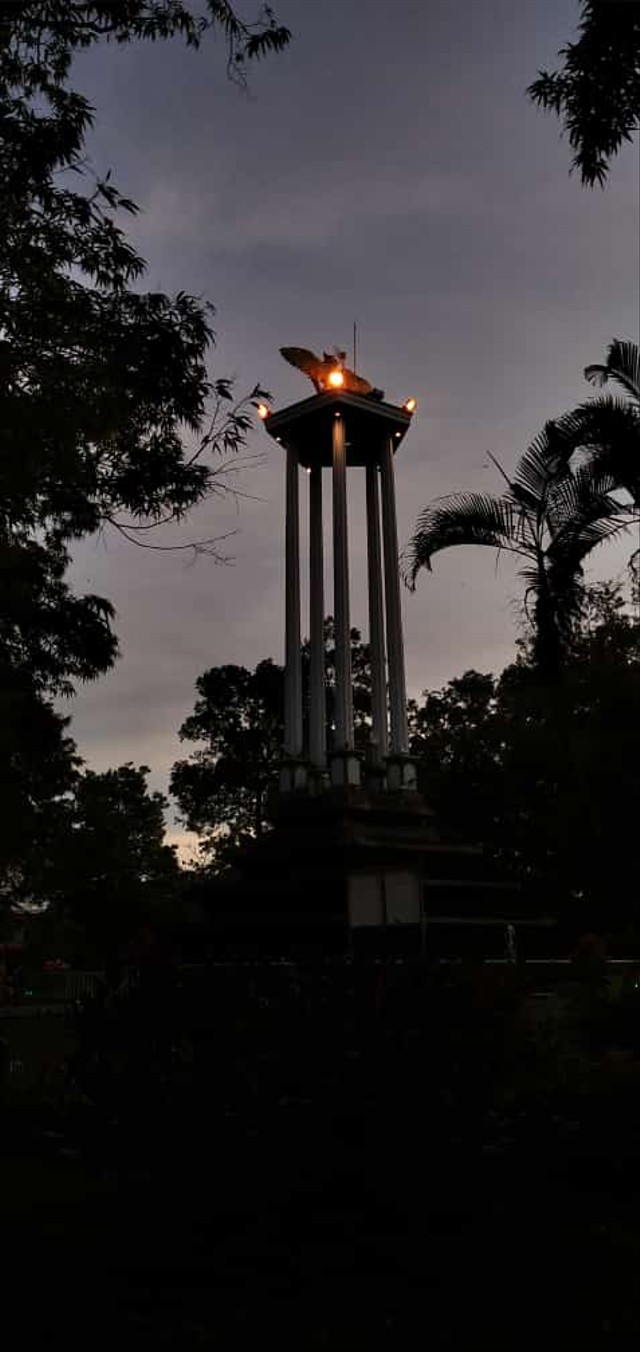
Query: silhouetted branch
pixel 206 547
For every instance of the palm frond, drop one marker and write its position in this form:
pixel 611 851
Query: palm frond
pixel 462 519
pixel 533 579
pixel 594 421
pixel 538 469
pixel 607 430
pixel 572 544
pixel 582 495
pixel 622 366
pixel 598 532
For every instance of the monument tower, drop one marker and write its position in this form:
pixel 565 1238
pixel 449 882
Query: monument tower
pixel 354 846
pixel 352 832
pixel 346 423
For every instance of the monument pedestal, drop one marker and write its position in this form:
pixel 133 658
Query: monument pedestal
pixel 401 773
pixel 352 867
pixel 293 775
pixel 345 769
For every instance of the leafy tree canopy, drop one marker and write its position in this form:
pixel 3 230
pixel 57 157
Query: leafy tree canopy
pixel 39 769
pixel 223 788
pixel 596 91
pixel 98 380
pixel 548 777
pixel 238 716
pixel 110 868
pixel 108 415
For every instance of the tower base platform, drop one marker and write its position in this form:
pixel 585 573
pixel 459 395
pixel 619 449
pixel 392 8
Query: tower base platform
pixel 366 871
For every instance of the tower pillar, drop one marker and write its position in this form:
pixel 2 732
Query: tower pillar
pixel 345 768
pixel 293 772
pixel 400 769
pixel 317 704
pixel 379 729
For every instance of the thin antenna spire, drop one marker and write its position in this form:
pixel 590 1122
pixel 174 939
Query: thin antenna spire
pixel 355 346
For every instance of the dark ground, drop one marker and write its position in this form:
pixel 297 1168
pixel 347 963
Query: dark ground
pixel 323 1171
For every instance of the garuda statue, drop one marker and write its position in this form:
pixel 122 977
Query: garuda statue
pixel 322 372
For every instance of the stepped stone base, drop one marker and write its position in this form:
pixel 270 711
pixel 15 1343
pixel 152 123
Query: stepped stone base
pixel 354 862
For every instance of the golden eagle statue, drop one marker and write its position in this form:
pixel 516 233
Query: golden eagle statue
pixel 323 372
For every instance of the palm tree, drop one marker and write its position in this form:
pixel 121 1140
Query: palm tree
pixel 605 433
pixel 550 516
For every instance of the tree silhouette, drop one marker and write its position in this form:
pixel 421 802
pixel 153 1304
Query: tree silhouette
pixel 108 414
pixel 550 517
pixel 98 380
pixel 547 777
pixel 604 433
pixel 110 869
pixel 39 769
pixel 223 789
pixel 596 92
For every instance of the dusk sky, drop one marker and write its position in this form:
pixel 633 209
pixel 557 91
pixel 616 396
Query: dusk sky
pixel 388 168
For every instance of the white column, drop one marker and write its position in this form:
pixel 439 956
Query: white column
pixel 395 645
pixel 344 698
pixel 317 705
pixel 293 669
pixel 379 735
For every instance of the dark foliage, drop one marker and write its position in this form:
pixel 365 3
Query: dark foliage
pixel 39 767
pixel 596 91
pixel 552 515
pixel 546 776
pixel 223 789
pixel 243 1147
pixel 108 416
pixel 108 871
pixel 604 433
pixel 99 380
